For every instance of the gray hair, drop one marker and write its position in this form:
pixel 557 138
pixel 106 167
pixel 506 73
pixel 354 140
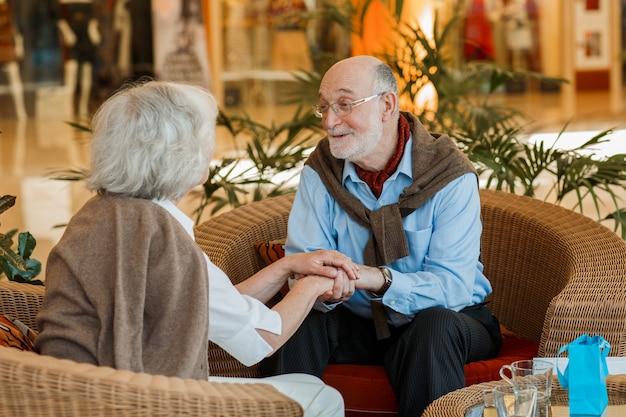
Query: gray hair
pixel 153 140
pixel 385 80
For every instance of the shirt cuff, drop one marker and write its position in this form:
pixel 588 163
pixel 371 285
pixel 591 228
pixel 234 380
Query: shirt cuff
pixel 251 352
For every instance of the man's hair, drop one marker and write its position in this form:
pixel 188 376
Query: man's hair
pixel 385 80
pixel 153 140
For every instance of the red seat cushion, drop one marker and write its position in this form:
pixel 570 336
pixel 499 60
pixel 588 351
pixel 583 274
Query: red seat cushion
pixel 366 389
pixel 513 349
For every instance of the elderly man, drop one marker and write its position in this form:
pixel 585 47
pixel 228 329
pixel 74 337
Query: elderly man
pixel 404 203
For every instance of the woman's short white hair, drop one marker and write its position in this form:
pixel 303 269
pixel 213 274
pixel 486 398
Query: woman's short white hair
pixel 153 140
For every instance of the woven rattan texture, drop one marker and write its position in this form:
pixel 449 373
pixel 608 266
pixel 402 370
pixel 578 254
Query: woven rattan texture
pixel 35 385
pixel 535 251
pixel 556 274
pixel 21 301
pixel 229 238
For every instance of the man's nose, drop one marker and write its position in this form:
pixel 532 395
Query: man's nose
pixel 330 119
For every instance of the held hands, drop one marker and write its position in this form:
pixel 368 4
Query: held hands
pixel 333 271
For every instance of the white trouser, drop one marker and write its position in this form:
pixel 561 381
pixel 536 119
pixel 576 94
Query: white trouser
pixel 316 398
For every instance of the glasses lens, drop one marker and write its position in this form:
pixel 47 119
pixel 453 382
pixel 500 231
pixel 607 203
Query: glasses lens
pixel 343 108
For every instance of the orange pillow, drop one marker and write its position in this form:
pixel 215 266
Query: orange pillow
pixel 271 251
pixel 14 333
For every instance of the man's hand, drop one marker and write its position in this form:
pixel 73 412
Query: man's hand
pixel 343 288
pixel 329 264
pixel 322 262
pixel 370 279
pixel 339 289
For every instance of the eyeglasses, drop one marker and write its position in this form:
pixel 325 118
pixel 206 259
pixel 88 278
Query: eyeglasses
pixel 341 108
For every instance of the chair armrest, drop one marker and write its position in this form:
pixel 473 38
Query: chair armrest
pixel 524 258
pixel 36 385
pixel 594 302
pixel 228 239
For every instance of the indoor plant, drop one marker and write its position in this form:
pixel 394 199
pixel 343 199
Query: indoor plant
pixel 17 265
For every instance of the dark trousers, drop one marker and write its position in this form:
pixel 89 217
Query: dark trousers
pixel 424 359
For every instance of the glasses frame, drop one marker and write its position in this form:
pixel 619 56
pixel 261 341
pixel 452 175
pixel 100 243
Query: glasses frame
pixel 317 108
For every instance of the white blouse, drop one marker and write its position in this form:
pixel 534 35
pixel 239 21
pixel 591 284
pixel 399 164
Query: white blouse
pixel 233 317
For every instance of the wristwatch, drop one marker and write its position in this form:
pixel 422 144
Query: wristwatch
pixel 388 279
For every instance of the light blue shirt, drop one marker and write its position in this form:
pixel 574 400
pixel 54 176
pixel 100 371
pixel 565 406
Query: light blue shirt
pixel 443 235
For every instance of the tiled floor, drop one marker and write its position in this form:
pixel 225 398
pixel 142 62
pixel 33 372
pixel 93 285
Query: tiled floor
pixel 31 149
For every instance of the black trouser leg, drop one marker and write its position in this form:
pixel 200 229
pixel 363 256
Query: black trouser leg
pixel 427 359
pixel 337 336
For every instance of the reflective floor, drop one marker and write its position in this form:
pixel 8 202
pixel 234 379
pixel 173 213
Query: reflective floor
pixel 32 149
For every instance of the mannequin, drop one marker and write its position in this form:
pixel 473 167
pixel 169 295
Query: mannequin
pixel 185 60
pixel 123 26
pixel 518 33
pixel 11 51
pixel 133 26
pixel 80 35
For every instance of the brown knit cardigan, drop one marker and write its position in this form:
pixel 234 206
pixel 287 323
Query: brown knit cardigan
pixel 127 287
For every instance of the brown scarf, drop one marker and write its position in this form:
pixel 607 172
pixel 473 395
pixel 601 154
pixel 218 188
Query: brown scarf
pixel 436 161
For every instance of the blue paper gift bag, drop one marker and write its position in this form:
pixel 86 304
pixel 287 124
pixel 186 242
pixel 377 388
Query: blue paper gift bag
pixel 585 375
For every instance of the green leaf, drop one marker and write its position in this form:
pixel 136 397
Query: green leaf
pixel 13 260
pixel 6 202
pixel 26 244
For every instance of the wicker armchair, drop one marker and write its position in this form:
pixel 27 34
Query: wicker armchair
pixel 37 385
pixel 555 273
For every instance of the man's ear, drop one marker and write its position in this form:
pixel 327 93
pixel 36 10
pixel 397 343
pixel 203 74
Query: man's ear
pixel 390 103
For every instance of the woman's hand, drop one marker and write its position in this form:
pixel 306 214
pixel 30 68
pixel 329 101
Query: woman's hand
pixel 322 262
pixel 329 264
pixel 338 289
pixel 343 288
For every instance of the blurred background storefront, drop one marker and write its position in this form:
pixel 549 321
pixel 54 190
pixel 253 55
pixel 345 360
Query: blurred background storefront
pixel 61 58
pixel 245 50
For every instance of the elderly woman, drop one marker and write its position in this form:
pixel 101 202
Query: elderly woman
pixel 127 286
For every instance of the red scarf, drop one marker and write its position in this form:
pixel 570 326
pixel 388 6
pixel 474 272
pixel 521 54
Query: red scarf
pixel 376 179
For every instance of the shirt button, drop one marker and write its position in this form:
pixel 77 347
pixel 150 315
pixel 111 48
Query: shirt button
pixel 392 302
pixel 380 203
